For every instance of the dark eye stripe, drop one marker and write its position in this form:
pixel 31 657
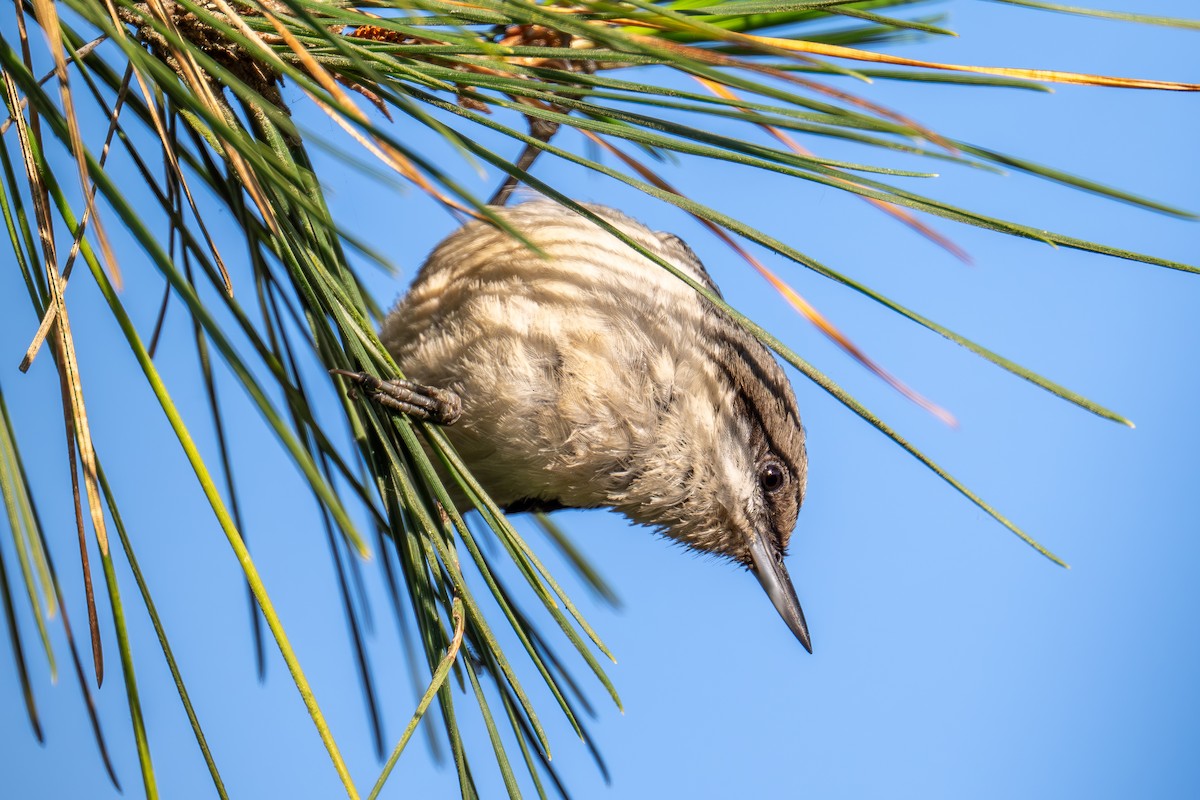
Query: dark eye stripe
pixel 752 365
pixel 755 415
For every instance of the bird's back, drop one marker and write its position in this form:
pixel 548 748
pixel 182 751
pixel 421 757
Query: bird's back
pixel 544 352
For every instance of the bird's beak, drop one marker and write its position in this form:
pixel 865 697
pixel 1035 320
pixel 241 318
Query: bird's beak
pixel 773 576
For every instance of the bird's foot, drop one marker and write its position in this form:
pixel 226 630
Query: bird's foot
pixel 428 403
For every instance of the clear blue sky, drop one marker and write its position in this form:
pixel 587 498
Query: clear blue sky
pixel 950 659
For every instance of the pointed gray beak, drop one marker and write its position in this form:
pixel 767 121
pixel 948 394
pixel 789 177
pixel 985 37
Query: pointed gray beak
pixel 773 576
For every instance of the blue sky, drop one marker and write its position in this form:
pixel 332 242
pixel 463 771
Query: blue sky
pixel 950 659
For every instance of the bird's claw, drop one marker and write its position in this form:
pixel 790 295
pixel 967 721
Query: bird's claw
pixel 427 403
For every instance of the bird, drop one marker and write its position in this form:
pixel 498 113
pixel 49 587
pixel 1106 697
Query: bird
pixel 584 375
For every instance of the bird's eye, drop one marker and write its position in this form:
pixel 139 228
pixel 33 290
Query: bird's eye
pixel 771 477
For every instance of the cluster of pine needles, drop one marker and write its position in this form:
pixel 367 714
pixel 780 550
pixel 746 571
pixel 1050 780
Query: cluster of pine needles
pixel 185 98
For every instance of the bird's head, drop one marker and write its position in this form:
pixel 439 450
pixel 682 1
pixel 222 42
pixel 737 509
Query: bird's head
pixel 729 471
